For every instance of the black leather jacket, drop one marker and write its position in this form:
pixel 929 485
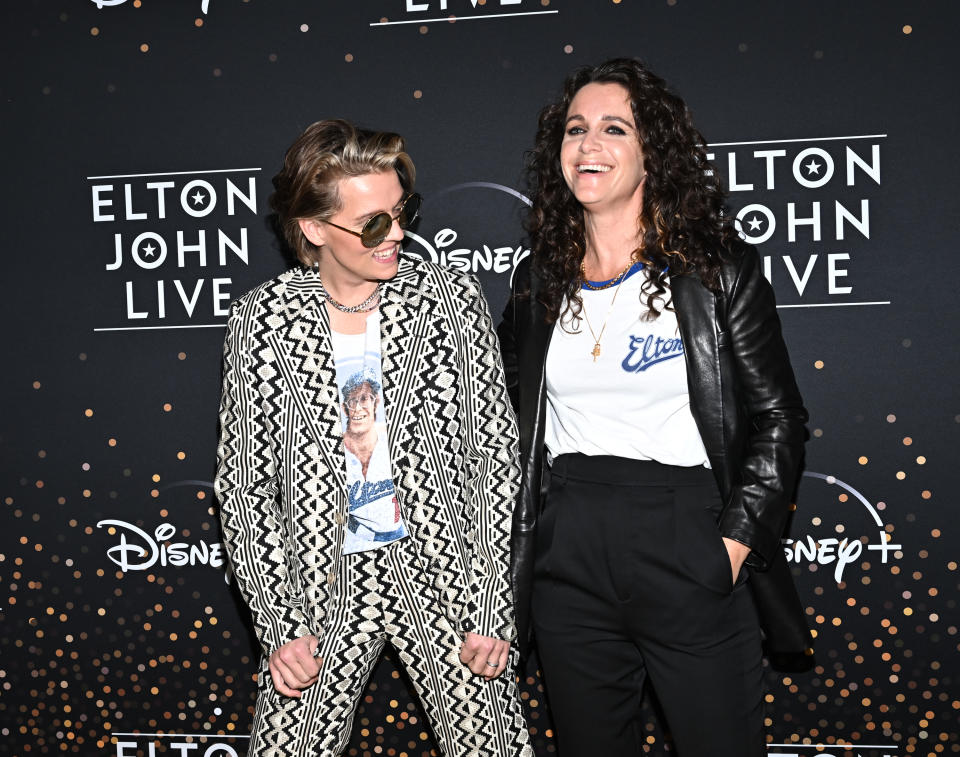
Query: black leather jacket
pixel 747 407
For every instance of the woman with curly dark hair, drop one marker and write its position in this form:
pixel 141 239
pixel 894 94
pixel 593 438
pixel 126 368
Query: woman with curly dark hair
pixel 661 431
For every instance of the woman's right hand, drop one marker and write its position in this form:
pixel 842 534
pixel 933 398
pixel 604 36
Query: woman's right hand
pixel 294 666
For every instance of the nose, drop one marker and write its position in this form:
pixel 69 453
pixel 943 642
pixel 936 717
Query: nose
pixel 590 142
pixel 396 233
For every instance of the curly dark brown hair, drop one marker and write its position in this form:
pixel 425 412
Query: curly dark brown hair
pixel 682 217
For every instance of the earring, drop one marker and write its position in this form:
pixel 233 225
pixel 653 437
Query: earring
pixel 316 267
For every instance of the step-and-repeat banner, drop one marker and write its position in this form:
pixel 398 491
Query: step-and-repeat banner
pixel 139 139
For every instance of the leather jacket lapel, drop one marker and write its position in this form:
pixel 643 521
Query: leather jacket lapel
pixel 696 309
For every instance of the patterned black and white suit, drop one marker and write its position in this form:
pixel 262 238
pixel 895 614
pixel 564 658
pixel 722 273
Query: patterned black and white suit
pixel 281 488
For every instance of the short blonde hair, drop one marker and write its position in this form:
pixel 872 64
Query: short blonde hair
pixel 327 151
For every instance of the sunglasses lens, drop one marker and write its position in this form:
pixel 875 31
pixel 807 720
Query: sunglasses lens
pixel 376 229
pixel 409 211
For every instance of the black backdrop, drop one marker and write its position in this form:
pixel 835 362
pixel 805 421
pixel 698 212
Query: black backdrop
pixel 154 126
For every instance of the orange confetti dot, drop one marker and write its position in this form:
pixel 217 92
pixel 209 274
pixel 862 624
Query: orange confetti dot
pixel 112 442
pixel 907 29
pixel 198 22
pixel 818 364
pixel 907 441
pixel 94 31
pixel 167 407
pixel 36 385
pixel 181 456
pixel 863 460
pixel 417 94
pixel 88 412
pixel 144 47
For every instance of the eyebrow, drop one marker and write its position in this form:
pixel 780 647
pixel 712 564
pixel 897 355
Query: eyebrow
pixel 371 213
pixel 578 117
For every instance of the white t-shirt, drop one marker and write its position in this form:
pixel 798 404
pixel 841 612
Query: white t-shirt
pixel 632 399
pixel 374 514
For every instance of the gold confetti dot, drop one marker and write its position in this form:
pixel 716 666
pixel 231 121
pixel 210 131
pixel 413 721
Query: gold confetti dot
pixel 926 494
pixel 348 57
pixel 424 29
pixel 154 493
pixel 94 31
pixel 144 47
pixel 198 22
pixel 921 460
pixel 935 533
pixel 36 384
pixel 417 94
pixel 863 460
pixel 907 441
pixel 818 432
pixel 568 49
pixel 88 412
pixel 112 442
pixel 304 27
pixel 201 495
pixel 181 356
pixel 907 29
pixel 891 418
pixel 818 365
pixel 87 493
pixel 901 475
pixel 181 455
pixel 137 3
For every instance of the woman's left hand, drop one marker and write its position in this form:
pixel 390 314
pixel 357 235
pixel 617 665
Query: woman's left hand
pixel 738 554
pixel 485 656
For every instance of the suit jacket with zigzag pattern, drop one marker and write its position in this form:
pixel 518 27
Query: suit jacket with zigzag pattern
pixel 453 446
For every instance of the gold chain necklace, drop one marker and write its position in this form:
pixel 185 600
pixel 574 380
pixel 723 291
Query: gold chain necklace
pixel 596 338
pixel 615 281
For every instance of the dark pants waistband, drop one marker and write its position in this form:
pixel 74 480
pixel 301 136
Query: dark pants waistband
pixel 625 471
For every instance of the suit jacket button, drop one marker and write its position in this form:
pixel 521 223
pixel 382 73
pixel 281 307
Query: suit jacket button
pixel 339 519
pixel 331 577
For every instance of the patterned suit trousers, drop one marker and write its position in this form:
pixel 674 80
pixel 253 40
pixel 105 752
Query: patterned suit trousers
pixel 383 596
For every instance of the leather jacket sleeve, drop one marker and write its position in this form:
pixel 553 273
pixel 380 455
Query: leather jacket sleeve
pixel 765 392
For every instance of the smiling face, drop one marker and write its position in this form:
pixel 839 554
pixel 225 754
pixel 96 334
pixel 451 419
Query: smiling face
pixel 360 407
pixel 600 156
pixel 344 261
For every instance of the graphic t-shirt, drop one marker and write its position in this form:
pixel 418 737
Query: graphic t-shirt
pixel 631 398
pixel 374 513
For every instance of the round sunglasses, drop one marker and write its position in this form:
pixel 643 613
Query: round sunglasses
pixel 376 229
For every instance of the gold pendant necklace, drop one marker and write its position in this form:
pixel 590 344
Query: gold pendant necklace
pixel 603 327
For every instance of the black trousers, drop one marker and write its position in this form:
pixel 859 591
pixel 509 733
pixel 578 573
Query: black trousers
pixel 633 584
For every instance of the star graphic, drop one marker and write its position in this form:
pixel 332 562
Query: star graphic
pixel 813 167
pixel 199 197
pixel 148 250
pixel 754 223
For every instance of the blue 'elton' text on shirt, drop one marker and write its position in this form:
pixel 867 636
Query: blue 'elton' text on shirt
pixel 650 350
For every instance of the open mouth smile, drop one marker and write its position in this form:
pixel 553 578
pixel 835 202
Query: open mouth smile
pixel 593 168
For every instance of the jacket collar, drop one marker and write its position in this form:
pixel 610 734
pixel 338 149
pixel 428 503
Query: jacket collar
pixel 299 289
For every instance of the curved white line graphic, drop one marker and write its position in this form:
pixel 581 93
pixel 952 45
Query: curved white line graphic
pixel 485 185
pixel 854 492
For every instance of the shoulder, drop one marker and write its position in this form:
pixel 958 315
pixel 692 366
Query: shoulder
pixel 262 297
pixel 445 282
pixel 739 264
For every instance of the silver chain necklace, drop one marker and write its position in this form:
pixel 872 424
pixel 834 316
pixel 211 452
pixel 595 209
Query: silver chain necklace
pixel 367 305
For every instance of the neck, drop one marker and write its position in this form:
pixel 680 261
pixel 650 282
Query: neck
pixel 342 285
pixel 611 239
